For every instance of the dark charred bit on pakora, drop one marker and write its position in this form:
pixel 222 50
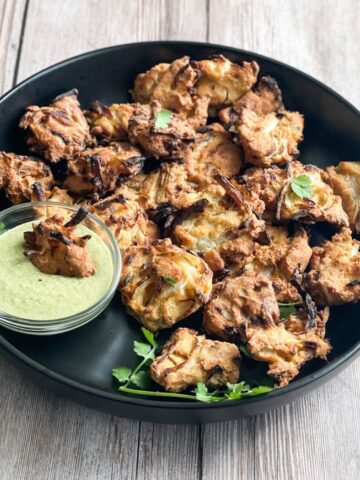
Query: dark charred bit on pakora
pixel 58 131
pixel 54 248
pixel 188 358
pixel 167 140
pixel 19 174
pixel 98 171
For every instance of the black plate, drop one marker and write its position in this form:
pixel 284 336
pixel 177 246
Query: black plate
pixel 78 364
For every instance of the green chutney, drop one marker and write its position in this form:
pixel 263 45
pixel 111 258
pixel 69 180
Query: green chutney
pixel 27 293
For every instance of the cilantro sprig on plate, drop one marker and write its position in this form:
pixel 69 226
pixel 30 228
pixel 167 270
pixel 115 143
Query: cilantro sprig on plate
pixel 139 377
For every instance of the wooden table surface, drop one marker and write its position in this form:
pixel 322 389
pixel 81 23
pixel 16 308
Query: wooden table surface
pixel 43 437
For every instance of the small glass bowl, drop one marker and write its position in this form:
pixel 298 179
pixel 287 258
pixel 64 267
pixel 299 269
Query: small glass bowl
pixel 32 211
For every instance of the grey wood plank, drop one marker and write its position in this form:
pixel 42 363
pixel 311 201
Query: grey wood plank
pixel 11 18
pixel 44 437
pixel 317 437
pixel 69 28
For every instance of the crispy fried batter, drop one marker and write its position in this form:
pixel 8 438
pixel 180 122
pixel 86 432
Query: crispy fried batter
pixel 110 122
pixel 54 248
pixel 55 195
pixel 163 284
pixel 188 358
pixel 159 142
pixel 279 256
pixel 236 301
pixel 98 171
pixel 245 309
pixel 345 181
pixel 265 98
pixel 172 85
pixel 58 131
pixel 273 186
pixel 334 276
pixel 221 220
pixel 213 151
pixel 127 220
pixel 19 173
pixel 285 351
pixel 223 81
pixel 270 139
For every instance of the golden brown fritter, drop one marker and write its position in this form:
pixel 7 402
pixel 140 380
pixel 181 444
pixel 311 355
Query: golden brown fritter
pixel 110 122
pixel 172 85
pixel 58 131
pixel 270 139
pixel 159 142
pixel 237 301
pixel 245 309
pixel 221 219
pixel 345 181
pixel 163 284
pixel 213 151
pixel 280 256
pixel 334 276
pixel 274 186
pixel 127 221
pixel 169 184
pixel 97 171
pixel 188 358
pixel 265 98
pixel 223 81
pixel 55 195
pixel 19 173
pixel 54 248
pixel 284 351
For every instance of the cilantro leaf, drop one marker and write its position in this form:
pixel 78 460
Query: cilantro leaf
pixel 287 310
pixel 260 390
pixel 149 336
pixel 243 349
pixel 163 119
pixel 141 379
pixel 171 281
pixel 122 374
pixel 143 350
pixel 302 186
pixel 201 392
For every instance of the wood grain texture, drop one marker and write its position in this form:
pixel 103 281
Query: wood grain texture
pixel 11 22
pixel 317 438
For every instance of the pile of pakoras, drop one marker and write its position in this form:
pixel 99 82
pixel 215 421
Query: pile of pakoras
pixel 221 220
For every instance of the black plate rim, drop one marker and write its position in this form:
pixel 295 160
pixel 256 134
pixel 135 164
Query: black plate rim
pixel 175 405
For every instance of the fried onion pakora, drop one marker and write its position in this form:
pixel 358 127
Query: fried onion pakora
pixel 334 276
pixel 265 98
pixel 127 221
pixel 163 284
pixel 172 85
pixel 168 141
pixel 110 122
pixel 58 131
pixel 280 256
pixel 213 152
pixel 345 181
pixel 274 186
pixel 19 173
pixel 223 81
pixel 54 248
pixel 188 358
pixel 222 219
pixel 57 194
pixel 98 171
pixel 244 309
